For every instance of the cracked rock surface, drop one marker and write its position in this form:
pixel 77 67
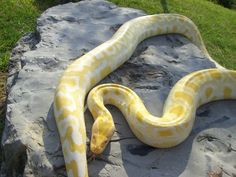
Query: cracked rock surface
pixel 30 141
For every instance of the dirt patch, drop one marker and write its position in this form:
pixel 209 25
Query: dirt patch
pixel 3 78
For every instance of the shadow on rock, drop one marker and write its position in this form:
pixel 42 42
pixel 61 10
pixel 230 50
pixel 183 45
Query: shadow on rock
pixel 52 145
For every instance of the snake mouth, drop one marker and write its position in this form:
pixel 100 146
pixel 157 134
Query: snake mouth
pixel 98 144
pixel 91 156
pixel 97 149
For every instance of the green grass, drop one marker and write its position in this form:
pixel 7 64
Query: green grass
pixel 216 23
pixel 16 18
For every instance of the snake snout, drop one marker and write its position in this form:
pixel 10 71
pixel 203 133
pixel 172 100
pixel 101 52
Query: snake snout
pixel 98 144
pixel 96 149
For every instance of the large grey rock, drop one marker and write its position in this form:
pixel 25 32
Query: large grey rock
pixel 30 141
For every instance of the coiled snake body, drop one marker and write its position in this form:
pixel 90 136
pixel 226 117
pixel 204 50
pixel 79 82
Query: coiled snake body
pixel 179 111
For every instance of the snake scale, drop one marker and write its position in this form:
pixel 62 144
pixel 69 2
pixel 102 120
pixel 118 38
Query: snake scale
pixel 171 129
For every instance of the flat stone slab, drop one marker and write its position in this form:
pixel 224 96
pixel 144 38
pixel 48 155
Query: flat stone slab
pixel 30 142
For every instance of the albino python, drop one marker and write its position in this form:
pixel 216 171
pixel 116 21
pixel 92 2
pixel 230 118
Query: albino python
pixel 178 115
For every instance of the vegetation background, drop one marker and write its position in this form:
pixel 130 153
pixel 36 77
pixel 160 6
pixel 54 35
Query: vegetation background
pixel 217 25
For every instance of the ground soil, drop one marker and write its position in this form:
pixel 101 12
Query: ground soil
pixel 3 78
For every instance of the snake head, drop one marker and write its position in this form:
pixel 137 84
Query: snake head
pixel 102 132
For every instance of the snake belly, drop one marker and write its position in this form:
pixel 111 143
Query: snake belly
pixel 89 69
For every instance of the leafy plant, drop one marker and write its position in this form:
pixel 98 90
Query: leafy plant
pixel 226 3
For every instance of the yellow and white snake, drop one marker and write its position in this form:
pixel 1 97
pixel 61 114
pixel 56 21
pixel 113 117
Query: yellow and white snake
pixel 171 129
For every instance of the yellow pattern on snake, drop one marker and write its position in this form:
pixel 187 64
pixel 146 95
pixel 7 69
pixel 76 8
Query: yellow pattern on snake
pixel 178 115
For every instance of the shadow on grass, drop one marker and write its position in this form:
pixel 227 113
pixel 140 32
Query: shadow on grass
pixel 45 4
pixel 164 6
